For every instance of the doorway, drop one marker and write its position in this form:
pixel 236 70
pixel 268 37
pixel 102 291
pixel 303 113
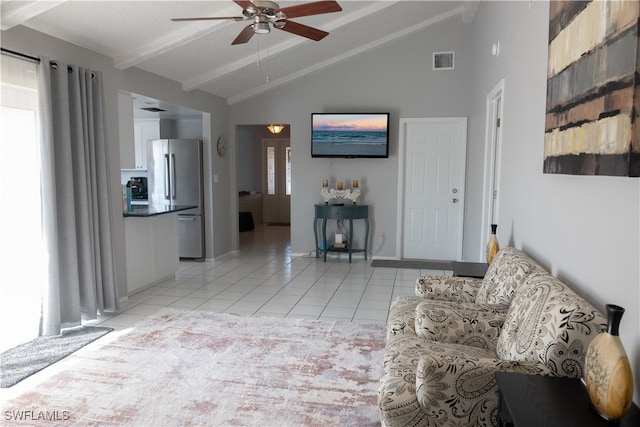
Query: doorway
pixel 431 178
pixel 276 180
pixel 493 153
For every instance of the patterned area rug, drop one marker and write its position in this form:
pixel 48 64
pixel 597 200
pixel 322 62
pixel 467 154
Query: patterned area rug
pixel 26 359
pixel 202 368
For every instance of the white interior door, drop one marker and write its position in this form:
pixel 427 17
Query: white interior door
pixel 276 154
pixel 433 155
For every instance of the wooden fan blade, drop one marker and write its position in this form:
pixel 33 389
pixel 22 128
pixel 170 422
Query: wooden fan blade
pixel 210 18
pixel 302 30
pixel 308 9
pixel 244 36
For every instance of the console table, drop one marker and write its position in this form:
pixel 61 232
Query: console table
pixel 337 212
pixel 536 400
pixel 469 269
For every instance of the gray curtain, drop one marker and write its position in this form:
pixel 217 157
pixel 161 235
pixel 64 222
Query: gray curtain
pixel 75 195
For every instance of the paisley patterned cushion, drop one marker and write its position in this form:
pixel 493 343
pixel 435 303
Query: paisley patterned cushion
pixel 508 271
pixel 397 398
pixel 460 389
pixel 402 316
pixel 455 289
pixel 550 324
pixel 476 325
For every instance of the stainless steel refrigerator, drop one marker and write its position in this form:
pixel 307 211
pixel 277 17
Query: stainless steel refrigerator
pixel 175 178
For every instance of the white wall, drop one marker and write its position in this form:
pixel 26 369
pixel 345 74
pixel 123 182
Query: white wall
pixel 245 159
pixel 33 43
pixel 188 128
pixel 583 229
pixel 396 78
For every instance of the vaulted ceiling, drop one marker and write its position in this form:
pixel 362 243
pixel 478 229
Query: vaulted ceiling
pixel 199 54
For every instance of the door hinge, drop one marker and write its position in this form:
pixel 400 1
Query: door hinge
pixel 495 194
pixel 498 122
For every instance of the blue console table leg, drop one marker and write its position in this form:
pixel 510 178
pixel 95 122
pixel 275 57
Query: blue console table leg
pixel 366 237
pixel 324 238
pixel 315 233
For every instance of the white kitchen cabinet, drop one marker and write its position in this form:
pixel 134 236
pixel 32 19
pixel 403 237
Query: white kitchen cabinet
pixel 151 249
pixel 149 130
pixel 144 130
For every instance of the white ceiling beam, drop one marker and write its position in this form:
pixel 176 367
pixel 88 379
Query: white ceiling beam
pixel 202 80
pixel 344 56
pixel 470 9
pixel 184 34
pixel 18 12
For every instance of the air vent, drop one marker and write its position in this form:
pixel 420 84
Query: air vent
pixel 153 109
pixel 443 61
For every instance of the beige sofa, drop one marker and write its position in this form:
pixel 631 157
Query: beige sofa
pixel 445 344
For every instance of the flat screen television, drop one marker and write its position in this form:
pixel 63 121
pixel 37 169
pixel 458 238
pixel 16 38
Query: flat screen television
pixel 350 135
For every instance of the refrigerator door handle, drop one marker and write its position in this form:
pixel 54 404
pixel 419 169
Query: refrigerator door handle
pixel 186 218
pixel 173 175
pixel 166 177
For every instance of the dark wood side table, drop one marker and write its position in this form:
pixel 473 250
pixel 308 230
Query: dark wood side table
pixel 469 269
pixel 536 401
pixel 337 212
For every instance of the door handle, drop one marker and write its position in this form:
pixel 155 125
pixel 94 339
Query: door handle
pixel 173 175
pixel 166 176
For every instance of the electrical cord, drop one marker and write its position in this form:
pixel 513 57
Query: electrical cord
pixel 377 244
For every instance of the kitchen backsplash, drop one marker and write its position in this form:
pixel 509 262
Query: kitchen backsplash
pixel 126 175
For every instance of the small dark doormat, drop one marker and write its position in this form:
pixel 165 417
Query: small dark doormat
pixel 26 359
pixel 416 264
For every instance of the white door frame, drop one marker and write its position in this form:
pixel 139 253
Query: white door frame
pixel 401 184
pixel 492 155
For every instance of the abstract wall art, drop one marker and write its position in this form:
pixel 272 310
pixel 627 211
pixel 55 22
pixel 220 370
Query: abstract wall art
pixel 593 89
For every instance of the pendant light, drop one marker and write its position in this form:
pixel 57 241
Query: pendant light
pixel 275 129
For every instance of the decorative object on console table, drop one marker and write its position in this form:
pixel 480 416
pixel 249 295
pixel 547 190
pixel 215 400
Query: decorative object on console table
pixel 607 371
pixel 492 245
pixel 340 192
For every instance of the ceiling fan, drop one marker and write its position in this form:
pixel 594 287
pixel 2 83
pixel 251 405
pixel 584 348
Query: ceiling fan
pixel 265 14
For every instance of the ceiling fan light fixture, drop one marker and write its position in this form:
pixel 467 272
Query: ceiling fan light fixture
pixel 275 129
pixel 261 28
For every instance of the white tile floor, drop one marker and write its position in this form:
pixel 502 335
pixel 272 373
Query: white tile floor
pixel 263 279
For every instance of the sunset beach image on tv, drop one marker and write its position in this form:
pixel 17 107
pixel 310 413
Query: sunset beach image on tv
pixel 350 135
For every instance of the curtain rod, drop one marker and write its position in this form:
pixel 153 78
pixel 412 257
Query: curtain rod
pixel 20 55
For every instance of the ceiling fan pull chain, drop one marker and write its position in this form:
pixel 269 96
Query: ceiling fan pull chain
pixel 257 51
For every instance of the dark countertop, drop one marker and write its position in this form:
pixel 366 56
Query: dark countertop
pixel 141 211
